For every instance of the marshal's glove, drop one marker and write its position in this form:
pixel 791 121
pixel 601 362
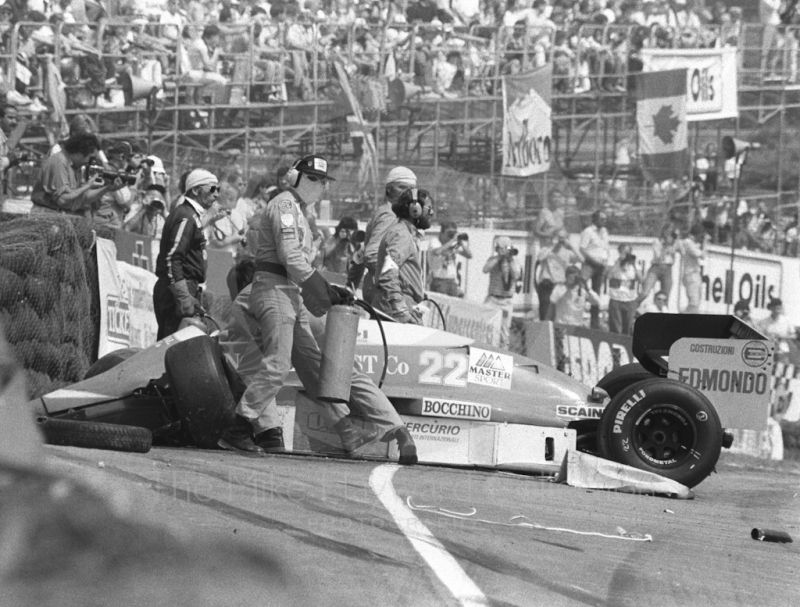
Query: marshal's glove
pixel 186 304
pixel 316 293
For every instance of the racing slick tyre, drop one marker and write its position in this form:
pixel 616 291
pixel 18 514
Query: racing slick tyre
pixel 662 426
pixel 110 360
pixel 200 388
pixel 620 378
pixel 94 435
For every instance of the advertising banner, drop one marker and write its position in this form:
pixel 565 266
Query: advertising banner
pixel 711 92
pixel 588 355
pixel 137 250
pixel 466 318
pixel 527 124
pixel 127 318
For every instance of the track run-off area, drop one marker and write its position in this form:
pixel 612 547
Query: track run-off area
pixel 349 532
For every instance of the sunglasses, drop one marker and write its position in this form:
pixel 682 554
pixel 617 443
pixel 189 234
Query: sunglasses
pixel 661 299
pixel 314 178
pixel 213 189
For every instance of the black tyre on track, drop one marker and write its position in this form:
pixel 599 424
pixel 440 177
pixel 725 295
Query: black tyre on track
pixel 201 391
pixel 662 426
pixel 93 435
pixel 110 360
pixel 620 378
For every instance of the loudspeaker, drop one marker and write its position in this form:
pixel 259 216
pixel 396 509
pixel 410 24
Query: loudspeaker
pixel 400 91
pixel 414 207
pixel 136 88
pixel 733 147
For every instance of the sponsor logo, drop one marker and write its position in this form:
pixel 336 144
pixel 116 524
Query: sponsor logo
pixel 581 411
pixel 434 431
pixel 490 368
pixel 712 349
pixel 755 353
pixel 626 444
pixel 623 410
pixel 118 320
pixel 456 409
pixel 724 380
pixel 702 416
pixel 370 364
pixel 363 336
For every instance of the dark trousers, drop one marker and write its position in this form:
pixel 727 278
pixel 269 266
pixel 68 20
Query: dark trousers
pixel 167 315
pixel 543 291
pixel 621 316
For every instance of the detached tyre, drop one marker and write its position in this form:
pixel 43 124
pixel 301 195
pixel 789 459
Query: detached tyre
pixel 93 435
pixel 110 360
pixel 201 391
pixel 662 426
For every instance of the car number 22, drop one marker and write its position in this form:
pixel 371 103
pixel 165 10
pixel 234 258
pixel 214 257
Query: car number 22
pixel 443 369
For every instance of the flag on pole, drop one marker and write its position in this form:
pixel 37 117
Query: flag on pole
pixel 661 118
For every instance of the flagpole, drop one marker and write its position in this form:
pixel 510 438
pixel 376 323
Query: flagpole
pixel 737 174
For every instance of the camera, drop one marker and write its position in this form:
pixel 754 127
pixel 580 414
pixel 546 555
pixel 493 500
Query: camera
pixel 512 251
pixel 463 236
pixel 96 170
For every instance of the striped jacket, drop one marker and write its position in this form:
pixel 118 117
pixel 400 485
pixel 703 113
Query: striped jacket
pixel 183 246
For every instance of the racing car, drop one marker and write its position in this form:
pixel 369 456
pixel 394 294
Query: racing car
pixel 466 404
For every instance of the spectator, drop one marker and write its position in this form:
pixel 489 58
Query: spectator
pixel 149 219
pixel 660 269
pixel 552 264
pixel 201 63
pixel 60 187
pixel 624 279
pixel 595 249
pixel 110 211
pixel 692 251
pixel 777 327
pixel 551 218
pixel 504 273
pixel 742 311
pixel 443 260
pixel 568 300
pixel 339 250
pixel 791 236
pixel 658 305
pixel 227 226
pixel 8 157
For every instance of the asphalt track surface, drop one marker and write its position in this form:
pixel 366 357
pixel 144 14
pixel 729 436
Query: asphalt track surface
pixel 344 531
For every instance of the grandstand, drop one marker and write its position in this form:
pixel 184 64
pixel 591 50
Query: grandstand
pixel 371 86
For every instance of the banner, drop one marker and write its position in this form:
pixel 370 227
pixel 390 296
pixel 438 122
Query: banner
pixel 711 78
pixel 127 318
pixel 661 120
pixel 466 318
pixel 589 355
pixel 527 125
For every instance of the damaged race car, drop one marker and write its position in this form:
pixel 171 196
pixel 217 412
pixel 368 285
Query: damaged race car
pixel 465 404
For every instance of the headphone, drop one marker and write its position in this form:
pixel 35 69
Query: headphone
pixel 293 175
pixel 414 207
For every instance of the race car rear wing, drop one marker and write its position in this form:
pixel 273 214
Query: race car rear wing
pixel 654 334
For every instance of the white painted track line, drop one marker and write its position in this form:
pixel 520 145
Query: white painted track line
pixel 446 568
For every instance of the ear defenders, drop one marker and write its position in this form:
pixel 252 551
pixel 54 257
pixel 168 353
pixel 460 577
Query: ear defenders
pixel 414 206
pixel 293 175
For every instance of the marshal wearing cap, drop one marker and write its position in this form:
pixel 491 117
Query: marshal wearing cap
pixel 314 165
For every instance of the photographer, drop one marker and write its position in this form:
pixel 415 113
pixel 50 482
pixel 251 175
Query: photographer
pixel 504 273
pixel 624 279
pixel 442 265
pixel 149 219
pixel 61 188
pixel 568 300
pixel 552 264
pixel 114 204
pixel 337 252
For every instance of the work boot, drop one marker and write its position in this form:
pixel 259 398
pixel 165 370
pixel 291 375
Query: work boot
pixel 238 437
pixel 271 440
pixel 405 445
pixel 352 436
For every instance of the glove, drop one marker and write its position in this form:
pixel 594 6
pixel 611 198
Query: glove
pixel 316 293
pixel 339 295
pixel 186 304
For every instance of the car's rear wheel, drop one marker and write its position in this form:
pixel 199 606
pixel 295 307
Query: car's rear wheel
pixel 200 389
pixel 110 360
pixel 622 377
pixel 662 426
pixel 94 435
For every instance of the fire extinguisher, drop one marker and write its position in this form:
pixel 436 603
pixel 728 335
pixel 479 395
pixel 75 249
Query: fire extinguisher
pixel 338 354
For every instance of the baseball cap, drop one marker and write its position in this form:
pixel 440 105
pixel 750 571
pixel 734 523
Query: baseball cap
pixel 402 175
pixel 314 165
pixel 502 242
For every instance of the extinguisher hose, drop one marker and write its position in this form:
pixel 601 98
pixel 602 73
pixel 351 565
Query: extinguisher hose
pixel 444 322
pixel 376 316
